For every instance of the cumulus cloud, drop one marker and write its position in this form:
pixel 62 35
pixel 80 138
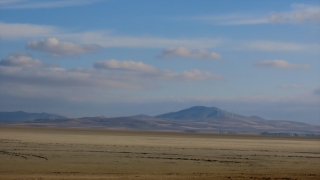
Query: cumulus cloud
pixel 184 52
pixel 20 59
pixel 124 65
pixel 280 64
pixel 21 69
pixel 58 49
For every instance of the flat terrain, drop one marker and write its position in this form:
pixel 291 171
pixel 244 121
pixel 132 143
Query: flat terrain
pixel 51 153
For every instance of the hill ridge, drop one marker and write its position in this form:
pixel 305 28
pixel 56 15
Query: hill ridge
pixel 193 119
pixel 15 116
pixel 201 113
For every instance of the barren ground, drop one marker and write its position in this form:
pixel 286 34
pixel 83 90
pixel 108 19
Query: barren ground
pixel 49 153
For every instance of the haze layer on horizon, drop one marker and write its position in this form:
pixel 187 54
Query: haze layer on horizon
pixel 120 58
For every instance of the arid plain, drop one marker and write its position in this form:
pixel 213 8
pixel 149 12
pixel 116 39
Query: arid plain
pixel 53 153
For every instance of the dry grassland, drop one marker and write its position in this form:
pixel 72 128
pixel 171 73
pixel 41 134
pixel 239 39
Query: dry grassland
pixel 48 153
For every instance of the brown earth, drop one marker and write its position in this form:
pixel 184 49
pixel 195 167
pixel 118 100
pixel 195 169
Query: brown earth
pixel 51 153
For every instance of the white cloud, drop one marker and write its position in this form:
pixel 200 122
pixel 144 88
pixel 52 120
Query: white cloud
pixel 60 77
pixel 197 75
pixel 299 13
pixel 287 86
pixel 20 69
pixel 273 46
pixel 145 71
pixel 16 30
pixel 184 52
pixel 20 59
pixel 231 19
pixel 124 65
pixel 247 22
pixel 58 49
pixel 280 64
pixel 3 2
pixel 108 39
pixel 113 40
pixel 34 4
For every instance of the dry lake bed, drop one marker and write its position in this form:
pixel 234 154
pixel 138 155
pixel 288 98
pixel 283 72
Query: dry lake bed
pixel 50 153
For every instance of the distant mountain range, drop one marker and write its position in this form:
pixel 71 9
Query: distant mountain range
pixel 194 119
pixel 18 116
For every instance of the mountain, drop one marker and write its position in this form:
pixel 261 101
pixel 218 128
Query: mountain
pixel 226 125
pixel 23 116
pixel 200 113
pixel 194 119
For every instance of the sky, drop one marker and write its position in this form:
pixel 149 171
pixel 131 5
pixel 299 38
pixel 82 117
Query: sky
pixel 120 58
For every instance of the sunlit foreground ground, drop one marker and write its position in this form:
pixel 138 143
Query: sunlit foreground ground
pixel 40 153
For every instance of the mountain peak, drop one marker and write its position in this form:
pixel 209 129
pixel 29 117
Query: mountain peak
pixel 194 113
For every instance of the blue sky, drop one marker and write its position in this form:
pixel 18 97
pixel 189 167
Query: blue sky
pixel 119 58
